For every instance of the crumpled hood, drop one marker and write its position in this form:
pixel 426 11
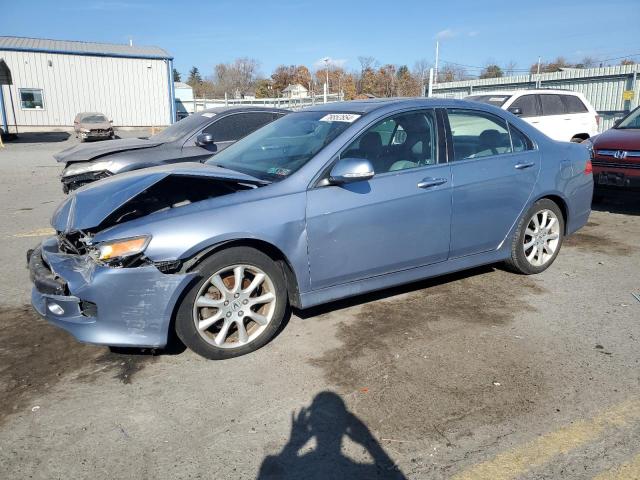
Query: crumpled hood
pixel 90 205
pixel 88 151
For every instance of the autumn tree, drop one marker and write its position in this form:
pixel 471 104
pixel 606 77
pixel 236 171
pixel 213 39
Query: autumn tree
pixel 264 88
pixel 285 75
pixel 491 71
pixel 407 84
pixel 627 61
pixel 553 66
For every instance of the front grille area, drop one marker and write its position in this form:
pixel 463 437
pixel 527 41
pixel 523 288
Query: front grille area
pixel 71 243
pixel 616 164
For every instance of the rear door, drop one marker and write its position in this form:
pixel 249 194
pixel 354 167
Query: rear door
pixel 493 173
pixel 578 118
pixel 556 123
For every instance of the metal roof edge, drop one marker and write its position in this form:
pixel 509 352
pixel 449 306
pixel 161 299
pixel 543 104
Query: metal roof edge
pixel 86 54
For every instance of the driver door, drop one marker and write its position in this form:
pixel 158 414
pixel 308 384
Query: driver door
pixel 397 220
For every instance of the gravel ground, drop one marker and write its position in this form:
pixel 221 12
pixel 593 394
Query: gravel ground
pixel 483 374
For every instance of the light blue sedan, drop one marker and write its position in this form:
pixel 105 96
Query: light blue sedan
pixel 326 203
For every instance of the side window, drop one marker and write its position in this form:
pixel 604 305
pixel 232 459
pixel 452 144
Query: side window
pixel 236 126
pixel 31 99
pixel 478 134
pixel 519 140
pixel 574 104
pixel 407 140
pixel 552 105
pixel 528 104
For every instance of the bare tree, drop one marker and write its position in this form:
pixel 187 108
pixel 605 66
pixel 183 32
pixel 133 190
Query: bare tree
pixel 421 72
pixel 510 68
pixel 367 63
pixel 235 78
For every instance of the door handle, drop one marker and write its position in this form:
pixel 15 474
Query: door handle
pixel 522 166
pixel 431 182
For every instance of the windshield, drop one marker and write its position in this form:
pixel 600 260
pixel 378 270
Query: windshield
pixel 280 148
pixel 94 119
pixel 631 121
pixel 496 100
pixel 181 128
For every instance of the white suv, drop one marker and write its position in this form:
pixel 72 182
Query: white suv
pixel 560 114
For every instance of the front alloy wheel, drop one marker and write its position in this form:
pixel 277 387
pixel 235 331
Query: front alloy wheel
pixel 236 307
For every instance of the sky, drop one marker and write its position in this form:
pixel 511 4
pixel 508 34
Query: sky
pixel 470 32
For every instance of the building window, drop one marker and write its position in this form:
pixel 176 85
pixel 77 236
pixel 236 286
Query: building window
pixel 31 99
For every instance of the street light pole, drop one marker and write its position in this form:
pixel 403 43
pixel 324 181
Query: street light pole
pixel 326 84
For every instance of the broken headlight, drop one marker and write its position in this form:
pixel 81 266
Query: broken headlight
pixel 86 167
pixel 116 251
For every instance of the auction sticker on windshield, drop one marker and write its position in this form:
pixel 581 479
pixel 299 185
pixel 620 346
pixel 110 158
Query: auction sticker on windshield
pixel 340 117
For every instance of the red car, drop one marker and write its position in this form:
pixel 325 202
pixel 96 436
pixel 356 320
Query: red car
pixel 616 156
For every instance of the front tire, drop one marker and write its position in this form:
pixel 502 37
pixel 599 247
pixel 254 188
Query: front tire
pixel 236 307
pixel 538 238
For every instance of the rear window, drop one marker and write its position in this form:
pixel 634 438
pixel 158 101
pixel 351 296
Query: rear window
pixel 574 104
pixel 552 105
pixel 495 100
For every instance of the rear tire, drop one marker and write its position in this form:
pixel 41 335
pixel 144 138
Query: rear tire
pixel 222 318
pixel 538 238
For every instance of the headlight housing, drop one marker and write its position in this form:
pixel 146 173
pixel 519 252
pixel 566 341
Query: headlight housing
pixel 86 167
pixel 117 251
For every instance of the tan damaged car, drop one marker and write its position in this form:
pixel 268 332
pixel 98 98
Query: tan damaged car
pixel 92 125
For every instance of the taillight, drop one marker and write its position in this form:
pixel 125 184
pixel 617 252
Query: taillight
pixel 598 120
pixel 588 168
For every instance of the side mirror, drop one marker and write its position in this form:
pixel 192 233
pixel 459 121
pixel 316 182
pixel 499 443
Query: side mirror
pixel 204 139
pixel 349 170
pixel 515 110
pixel 617 122
pixel 110 121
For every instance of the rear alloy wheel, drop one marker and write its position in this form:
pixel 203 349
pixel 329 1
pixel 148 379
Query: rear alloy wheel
pixel 236 308
pixel 538 238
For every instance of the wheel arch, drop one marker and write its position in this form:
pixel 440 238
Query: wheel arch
pixel 265 247
pixel 562 205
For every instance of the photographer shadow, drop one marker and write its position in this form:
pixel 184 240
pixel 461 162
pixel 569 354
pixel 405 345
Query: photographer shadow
pixel 328 421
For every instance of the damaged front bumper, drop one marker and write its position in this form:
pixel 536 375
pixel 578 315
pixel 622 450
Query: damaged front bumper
pixel 126 307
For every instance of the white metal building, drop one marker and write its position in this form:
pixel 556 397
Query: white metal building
pixel 45 83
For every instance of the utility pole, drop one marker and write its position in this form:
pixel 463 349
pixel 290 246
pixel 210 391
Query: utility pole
pixel 326 84
pixel 430 82
pixel 437 55
pixel 538 73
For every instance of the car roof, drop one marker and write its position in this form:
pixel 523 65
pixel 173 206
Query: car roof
pixel 371 105
pixel 524 91
pixel 243 108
